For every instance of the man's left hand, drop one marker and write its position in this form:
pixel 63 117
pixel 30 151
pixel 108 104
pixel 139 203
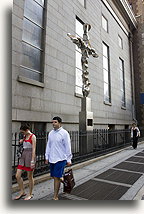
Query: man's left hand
pixel 68 163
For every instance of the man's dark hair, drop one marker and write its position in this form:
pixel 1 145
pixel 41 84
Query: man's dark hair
pixel 25 126
pixel 58 119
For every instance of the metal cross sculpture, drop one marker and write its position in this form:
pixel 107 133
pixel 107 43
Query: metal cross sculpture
pixel 86 50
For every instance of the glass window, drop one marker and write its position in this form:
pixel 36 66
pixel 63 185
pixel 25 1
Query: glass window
pixel 78 60
pixel 106 91
pixel 79 28
pixel 32 74
pixel 32 33
pixel 105 51
pixel 120 65
pixel 40 132
pixel 120 41
pixel 106 73
pixel 31 56
pixel 32 36
pixel 83 2
pixel 79 77
pixel 41 2
pixel 104 23
pixel 122 82
pixel 105 63
pixel 40 127
pixel 121 85
pixel 34 12
pixel 79 83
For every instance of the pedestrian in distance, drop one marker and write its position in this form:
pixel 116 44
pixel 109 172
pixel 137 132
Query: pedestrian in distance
pixel 58 153
pixel 26 161
pixel 135 134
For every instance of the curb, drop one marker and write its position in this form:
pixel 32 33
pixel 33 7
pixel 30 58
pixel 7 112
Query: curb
pixel 140 194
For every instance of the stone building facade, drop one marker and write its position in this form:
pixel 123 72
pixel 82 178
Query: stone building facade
pixel 46 71
pixel 138 53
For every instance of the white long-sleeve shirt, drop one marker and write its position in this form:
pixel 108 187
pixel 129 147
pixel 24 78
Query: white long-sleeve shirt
pixel 58 146
pixel 138 132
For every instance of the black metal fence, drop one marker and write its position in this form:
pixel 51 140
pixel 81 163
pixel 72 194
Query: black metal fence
pixel 103 141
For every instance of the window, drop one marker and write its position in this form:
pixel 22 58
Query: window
pixel 32 48
pixel 120 41
pixel 105 23
pixel 122 82
pixel 83 2
pixel 40 132
pixel 79 33
pixel 106 73
pixel 39 127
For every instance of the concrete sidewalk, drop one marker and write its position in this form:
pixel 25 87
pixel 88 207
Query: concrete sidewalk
pixel 115 176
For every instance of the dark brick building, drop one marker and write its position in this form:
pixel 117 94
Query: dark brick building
pixel 138 54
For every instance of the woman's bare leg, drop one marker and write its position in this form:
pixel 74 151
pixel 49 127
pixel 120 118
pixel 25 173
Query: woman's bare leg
pixel 31 185
pixel 20 183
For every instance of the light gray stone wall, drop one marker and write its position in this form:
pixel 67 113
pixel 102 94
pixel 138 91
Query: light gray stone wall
pixel 39 103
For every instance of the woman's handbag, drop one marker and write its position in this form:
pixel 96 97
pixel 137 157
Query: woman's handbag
pixel 69 181
pixel 19 150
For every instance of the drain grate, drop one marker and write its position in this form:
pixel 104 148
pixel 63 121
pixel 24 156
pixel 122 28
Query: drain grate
pixel 62 197
pixel 119 176
pixel 140 154
pixel 97 190
pixel 131 167
pixel 136 159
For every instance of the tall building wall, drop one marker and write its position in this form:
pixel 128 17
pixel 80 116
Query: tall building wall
pixel 138 53
pixel 38 102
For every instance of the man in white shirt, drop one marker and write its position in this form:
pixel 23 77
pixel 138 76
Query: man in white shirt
pixel 58 153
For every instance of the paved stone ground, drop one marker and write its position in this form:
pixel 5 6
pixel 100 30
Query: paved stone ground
pixel 119 176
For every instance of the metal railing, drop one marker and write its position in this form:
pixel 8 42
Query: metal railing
pixel 102 140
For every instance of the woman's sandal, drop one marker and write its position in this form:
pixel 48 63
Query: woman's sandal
pixel 20 196
pixel 28 198
pixel 55 199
